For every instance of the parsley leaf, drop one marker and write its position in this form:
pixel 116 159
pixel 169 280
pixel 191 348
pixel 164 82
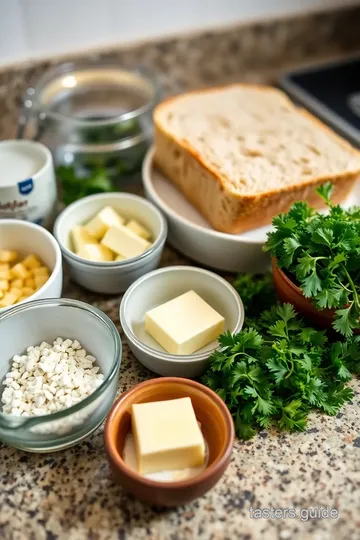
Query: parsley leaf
pixel 321 254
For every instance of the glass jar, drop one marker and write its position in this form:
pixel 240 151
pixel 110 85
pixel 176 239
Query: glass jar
pixel 97 121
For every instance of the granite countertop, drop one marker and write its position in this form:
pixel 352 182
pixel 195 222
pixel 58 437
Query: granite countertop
pixel 71 495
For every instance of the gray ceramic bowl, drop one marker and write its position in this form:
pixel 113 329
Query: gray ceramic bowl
pixel 111 277
pixel 161 286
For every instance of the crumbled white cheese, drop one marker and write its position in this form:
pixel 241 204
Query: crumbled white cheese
pixel 49 378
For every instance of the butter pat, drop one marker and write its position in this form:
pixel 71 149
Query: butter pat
pixel 96 252
pixel 124 242
pixel 167 436
pixel 138 229
pixel 105 219
pixel 80 238
pixel 185 324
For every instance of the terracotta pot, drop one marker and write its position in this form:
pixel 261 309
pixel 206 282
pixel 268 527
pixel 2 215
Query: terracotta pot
pixel 287 291
pixel 216 424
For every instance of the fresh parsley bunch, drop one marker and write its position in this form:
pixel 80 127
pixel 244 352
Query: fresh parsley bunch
pixel 275 374
pixel 321 253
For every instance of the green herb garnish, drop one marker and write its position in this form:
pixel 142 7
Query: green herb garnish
pixel 275 374
pixel 321 253
pixel 75 187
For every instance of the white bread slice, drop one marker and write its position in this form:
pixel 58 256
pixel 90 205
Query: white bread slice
pixel 243 153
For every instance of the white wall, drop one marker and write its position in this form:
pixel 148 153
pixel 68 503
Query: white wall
pixel 37 28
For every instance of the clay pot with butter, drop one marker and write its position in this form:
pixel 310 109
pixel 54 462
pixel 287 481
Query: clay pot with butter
pixel 216 425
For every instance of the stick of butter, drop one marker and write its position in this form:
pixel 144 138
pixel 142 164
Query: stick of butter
pixel 105 219
pixel 80 237
pixel 124 242
pixel 96 252
pixel 138 229
pixel 185 324
pixel 167 436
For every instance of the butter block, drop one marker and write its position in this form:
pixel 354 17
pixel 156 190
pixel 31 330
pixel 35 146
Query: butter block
pixel 96 252
pixel 124 242
pixel 105 219
pixel 138 229
pixel 185 324
pixel 167 436
pixel 80 237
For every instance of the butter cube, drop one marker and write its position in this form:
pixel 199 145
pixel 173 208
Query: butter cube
pixel 7 255
pixel 31 261
pixel 5 274
pixel 167 436
pixel 105 219
pixel 16 292
pixel 96 252
pixel 138 229
pixel 20 271
pixel 124 242
pixel 17 283
pixel 41 271
pixel 29 282
pixel 40 280
pixel 4 266
pixel 80 237
pixel 28 291
pixel 185 324
pixel 8 299
pixel 4 285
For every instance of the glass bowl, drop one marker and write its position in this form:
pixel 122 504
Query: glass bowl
pixel 45 320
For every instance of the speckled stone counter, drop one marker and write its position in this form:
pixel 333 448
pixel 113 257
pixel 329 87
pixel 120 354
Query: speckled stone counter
pixel 71 495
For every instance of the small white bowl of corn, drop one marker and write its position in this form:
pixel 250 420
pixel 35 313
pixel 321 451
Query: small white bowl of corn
pixel 30 263
pixel 110 239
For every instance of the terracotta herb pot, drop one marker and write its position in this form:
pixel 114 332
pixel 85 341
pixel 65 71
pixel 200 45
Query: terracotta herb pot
pixel 287 291
pixel 216 424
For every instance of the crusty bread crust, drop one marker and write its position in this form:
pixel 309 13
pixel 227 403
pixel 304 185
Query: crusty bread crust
pixel 225 208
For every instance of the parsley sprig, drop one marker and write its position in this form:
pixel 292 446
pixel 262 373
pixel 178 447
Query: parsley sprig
pixel 321 253
pixel 275 374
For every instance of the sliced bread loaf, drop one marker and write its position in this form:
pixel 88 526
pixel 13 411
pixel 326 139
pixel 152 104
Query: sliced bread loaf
pixel 243 153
